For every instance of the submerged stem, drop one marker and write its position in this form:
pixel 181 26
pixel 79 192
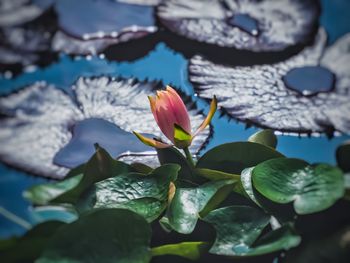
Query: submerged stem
pixel 189 157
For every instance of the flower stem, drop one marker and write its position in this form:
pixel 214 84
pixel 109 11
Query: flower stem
pixel 189 157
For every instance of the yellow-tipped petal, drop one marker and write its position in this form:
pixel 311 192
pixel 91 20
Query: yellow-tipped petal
pixel 212 110
pixel 152 103
pixel 151 142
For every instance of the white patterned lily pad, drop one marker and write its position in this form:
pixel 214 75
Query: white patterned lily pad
pixel 17 12
pixel 254 25
pixel 46 130
pixel 89 26
pixel 26 39
pixel 260 95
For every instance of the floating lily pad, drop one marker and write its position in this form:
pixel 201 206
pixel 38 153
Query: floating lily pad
pixel 141 2
pixel 89 27
pixel 236 156
pixel 189 250
pixel 238 229
pixel 65 43
pixel 99 167
pixel 18 12
pixel 42 194
pixel 187 204
pixel 311 188
pixel 264 137
pixel 86 132
pixel 280 213
pixel 40 120
pixel 144 194
pixel 259 26
pixel 28 44
pixel 260 94
pixel 108 235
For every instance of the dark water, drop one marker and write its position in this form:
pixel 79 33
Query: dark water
pixel 163 64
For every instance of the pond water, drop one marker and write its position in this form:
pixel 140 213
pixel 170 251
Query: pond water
pixel 162 63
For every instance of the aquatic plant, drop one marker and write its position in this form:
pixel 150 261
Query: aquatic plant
pixel 259 26
pixel 116 202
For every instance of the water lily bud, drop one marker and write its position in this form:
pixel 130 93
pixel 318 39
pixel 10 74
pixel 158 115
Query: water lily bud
pixel 172 117
pixel 168 110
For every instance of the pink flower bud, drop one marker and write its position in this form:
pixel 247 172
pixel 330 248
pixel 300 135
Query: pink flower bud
pixel 172 117
pixel 168 109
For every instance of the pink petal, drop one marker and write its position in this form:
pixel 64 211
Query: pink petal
pixel 179 109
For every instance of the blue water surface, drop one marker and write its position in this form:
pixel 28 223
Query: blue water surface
pixel 171 68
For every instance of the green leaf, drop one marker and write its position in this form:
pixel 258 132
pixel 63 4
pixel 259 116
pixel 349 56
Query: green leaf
pixel 236 156
pixel 264 137
pixel 237 228
pixel 343 156
pixel 43 194
pixel 182 138
pixel 246 182
pixel 141 168
pixel 189 250
pixel 283 238
pixel 172 155
pixel 144 194
pixel 187 204
pixel 281 212
pixel 100 166
pixel 107 235
pixel 28 247
pixel 215 174
pixel 312 188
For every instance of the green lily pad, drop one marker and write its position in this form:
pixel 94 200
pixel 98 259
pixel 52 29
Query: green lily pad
pixel 236 156
pixel 187 204
pixel 141 168
pixel 264 137
pixel 189 250
pixel 144 194
pixel 343 156
pixel 215 174
pixel 311 188
pixel 106 235
pixel 43 194
pixel 28 247
pixel 237 228
pixel 247 185
pixel 282 213
pixel 100 166
pixel 283 238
